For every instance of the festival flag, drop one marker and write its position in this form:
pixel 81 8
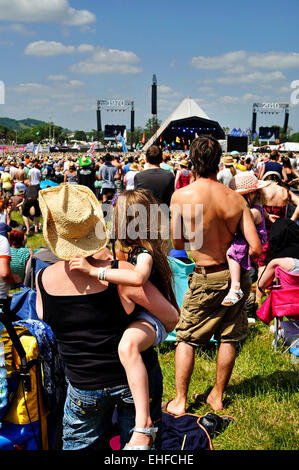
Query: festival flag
pixel 143 138
pixel 92 149
pixel 178 140
pixel 38 132
pixel 122 143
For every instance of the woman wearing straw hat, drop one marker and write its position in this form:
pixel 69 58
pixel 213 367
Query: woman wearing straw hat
pixel 183 175
pixel 88 317
pixel 228 172
pixel 130 176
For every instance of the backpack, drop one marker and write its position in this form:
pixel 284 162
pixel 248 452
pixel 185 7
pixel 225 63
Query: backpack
pixel 27 420
pixel 23 414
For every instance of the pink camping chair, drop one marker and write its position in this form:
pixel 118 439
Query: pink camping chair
pixel 283 300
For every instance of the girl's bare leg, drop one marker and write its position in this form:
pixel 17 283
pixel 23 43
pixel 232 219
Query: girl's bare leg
pixel 138 337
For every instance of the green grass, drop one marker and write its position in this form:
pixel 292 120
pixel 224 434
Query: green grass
pixel 34 241
pixel 262 395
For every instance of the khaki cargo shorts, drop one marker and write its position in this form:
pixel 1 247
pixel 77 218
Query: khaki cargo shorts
pixel 203 316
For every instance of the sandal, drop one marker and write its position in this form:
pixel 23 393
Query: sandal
pixel 148 432
pixel 233 296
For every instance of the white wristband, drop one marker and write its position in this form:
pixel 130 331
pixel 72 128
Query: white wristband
pixel 102 274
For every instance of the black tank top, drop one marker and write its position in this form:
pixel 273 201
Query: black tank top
pixel 88 329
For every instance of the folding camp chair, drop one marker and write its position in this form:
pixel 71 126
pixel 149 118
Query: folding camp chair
pixel 286 303
pixel 283 301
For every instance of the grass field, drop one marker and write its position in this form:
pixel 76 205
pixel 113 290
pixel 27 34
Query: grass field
pixel 262 396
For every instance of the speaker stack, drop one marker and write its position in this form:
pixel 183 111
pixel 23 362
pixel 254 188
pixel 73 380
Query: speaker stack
pixel 154 96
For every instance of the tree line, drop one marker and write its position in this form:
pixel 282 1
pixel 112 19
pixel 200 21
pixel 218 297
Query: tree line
pixel 49 132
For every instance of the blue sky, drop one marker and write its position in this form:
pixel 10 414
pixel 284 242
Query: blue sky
pixel 59 56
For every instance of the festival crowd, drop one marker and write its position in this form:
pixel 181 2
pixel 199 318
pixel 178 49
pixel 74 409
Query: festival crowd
pixel 111 300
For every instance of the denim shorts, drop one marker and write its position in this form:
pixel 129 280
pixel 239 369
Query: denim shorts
pixel 92 417
pixel 161 333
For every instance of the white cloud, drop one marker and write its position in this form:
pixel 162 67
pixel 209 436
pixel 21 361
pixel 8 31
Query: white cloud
pixel 218 62
pixel 48 48
pixel 272 60
pixel 167 91
pixel 57 11
pixel 86 48
pixel 247 97
pixel 56 78
pixel 100 60
pixel 241 61
pixel 18 29
pixel 53 48
pixel 75 83
pixel 254 77
pixel 105 61
pixel 31 88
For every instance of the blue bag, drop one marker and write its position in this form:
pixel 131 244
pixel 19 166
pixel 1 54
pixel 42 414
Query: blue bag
pixel 23 304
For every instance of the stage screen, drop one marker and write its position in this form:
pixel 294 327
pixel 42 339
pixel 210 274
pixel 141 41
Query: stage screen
pixel 112 131
pixel 240 144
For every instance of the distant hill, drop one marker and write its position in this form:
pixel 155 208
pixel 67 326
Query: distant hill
pixel 22 124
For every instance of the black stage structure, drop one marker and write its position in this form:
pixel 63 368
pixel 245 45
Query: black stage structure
pixel 186 123
pixel 115 105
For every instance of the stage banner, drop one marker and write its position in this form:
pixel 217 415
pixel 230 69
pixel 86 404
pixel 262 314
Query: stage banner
pixel 7 148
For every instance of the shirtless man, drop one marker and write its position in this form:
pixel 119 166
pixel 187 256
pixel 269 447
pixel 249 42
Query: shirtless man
pixel 202 314
pixel 20 177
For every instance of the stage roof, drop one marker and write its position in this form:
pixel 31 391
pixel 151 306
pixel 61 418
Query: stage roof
pixel 188 115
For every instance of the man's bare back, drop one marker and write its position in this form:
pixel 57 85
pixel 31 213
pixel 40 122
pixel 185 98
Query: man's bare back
pixel 20 176
pixel 223 211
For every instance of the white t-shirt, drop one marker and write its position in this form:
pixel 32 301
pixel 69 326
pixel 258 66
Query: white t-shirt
pixel 130 179
pixel 35 176
pixel 225 176
pixel 4 253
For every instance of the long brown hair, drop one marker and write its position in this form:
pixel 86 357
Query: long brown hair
pixel 149 236
pixel 232 169
pixel 256 197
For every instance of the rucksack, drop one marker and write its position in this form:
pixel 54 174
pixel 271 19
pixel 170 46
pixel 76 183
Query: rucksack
pixel 23 414
pixel 27 403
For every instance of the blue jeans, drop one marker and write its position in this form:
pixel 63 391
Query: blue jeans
pixel 88 414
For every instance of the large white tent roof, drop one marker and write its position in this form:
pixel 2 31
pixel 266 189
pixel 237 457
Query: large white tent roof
pixel 186 109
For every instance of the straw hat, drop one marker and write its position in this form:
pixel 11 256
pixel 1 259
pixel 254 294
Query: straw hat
pixel 184 163
pixel 73 221
pixel 134 167
pixel 227 160
pixel 246 182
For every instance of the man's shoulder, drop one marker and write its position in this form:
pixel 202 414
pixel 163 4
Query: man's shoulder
pixel 167 175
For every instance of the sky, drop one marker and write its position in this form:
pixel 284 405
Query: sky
pixel 58 57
